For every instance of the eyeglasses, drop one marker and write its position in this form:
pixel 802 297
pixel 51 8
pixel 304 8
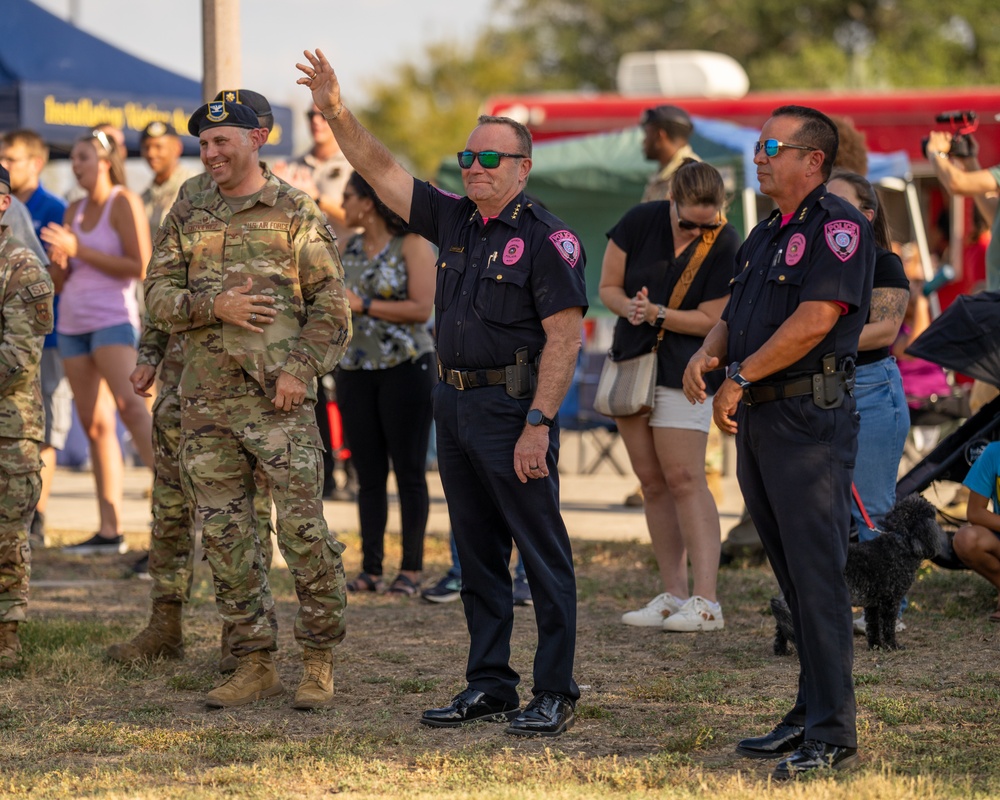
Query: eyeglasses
pixel 771 147
pixel 488 159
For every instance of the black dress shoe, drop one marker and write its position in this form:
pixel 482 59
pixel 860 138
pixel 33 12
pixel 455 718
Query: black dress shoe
pixel 783 739
pixel 549 714
pixel 812 755
pixel 467 707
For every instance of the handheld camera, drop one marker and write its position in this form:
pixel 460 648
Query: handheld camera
pixel 963 123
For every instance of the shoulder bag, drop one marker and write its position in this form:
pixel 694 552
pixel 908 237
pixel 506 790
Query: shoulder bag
pixel 626 388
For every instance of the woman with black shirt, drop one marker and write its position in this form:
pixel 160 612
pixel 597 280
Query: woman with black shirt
pixel 649 251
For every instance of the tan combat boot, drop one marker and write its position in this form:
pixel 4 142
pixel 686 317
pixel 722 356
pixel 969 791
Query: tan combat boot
pixel 161 637
pixel 227 661
pixel 255 678
pixel 316 687
pixel 10 645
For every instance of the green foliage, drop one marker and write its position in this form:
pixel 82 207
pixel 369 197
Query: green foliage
pixel 424 113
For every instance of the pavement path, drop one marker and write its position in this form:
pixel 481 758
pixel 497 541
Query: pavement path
pixel 592 504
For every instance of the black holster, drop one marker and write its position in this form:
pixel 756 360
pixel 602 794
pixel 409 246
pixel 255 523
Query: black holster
pixel 522 377
pixel 831 386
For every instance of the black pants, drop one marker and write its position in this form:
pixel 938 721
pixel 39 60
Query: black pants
pixel 491 509
pixel 387 416
pixel 795 462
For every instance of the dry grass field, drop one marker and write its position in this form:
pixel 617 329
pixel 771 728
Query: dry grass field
pixel 659 714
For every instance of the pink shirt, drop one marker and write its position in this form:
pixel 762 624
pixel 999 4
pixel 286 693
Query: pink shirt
pixel 91 299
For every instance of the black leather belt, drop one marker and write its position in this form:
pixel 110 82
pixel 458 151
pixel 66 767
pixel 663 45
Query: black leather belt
pixel 765 393
pixel 472 378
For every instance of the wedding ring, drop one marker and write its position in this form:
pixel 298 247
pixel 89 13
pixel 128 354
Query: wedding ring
pixel 253 317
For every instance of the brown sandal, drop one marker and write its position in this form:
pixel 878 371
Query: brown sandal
pixel 366 583
pixel 402 585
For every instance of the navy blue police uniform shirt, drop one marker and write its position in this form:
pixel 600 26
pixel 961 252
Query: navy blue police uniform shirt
pixel 496 282
pixel 826 251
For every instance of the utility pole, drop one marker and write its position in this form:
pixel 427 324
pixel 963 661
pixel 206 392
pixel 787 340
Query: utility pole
pixel 220 46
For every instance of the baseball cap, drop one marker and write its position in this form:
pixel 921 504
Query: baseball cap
pixel 667 116
pixel 219 114
pixel 154 130
pixel 5 177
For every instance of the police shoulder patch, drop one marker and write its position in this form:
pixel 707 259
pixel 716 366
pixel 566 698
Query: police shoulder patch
pixel 842 237
pixel 567 245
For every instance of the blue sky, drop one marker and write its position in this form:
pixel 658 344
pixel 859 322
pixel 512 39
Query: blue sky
pixel 363 38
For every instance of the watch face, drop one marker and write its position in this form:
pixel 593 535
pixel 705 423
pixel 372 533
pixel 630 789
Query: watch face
pixel 733 370
pixel 534 417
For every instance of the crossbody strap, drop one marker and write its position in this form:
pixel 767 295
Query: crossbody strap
pixel 697 259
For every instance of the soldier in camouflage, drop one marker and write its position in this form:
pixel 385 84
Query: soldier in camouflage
pixel 250 275
pixel 25 317
pixel 172 545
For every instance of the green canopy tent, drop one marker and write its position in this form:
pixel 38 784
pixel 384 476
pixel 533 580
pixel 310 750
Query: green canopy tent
pixel 590 181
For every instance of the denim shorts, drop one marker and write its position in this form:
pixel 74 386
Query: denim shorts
pixel 83 344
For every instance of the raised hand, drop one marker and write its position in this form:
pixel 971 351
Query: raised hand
pixel 322 82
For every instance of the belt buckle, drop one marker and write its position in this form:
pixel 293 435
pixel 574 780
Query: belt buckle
pixel 459 379
pixel 747 397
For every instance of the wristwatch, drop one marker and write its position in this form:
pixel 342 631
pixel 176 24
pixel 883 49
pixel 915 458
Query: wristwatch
pixel 733 373
pixel 536 418
pixel 661 315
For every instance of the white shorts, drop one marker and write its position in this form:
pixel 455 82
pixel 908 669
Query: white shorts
pixel 671 409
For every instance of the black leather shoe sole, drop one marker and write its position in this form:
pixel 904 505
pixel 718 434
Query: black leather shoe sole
pixel 499 716
pixel 747 752
pixel 772 746
pixel 845 763
pixel 525 731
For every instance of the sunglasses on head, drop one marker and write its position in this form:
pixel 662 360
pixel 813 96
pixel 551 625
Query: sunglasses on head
pixel 772 147
pixel 488 159
pixel 102 137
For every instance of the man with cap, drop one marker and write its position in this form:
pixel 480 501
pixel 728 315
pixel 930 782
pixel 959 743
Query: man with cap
pixel 666 132
pixel 249 275
pixel 170 564
pixel 162 148
pixel 25 318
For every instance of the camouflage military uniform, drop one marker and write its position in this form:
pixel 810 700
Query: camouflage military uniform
pixel 25 318
pixel 227 385
pixel 159 197
pixel 171 553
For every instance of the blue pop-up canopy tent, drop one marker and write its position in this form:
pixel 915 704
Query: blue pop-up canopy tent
pixel 61 82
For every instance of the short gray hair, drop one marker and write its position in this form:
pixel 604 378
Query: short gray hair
pixel 523 134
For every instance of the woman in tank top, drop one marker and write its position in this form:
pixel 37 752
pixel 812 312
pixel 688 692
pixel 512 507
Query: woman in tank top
pixel 99 253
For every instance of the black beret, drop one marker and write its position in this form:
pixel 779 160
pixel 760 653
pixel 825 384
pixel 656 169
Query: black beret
pixel 667 115
pixel 5 177
pixel 255 100
pixel 219 114
pixel 154 130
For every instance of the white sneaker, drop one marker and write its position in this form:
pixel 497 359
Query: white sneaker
pixel 697 614
pixel 656 610
pixel 860 629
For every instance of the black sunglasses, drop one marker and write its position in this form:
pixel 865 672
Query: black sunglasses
pixel 488 159
pixel 688 225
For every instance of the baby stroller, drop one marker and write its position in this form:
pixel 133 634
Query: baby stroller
pixel 965 338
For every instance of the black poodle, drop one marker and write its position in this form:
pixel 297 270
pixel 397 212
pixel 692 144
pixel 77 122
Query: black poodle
pixel 879 572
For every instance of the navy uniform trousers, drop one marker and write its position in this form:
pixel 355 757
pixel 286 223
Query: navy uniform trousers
pixel 489 508
pixel 795 464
